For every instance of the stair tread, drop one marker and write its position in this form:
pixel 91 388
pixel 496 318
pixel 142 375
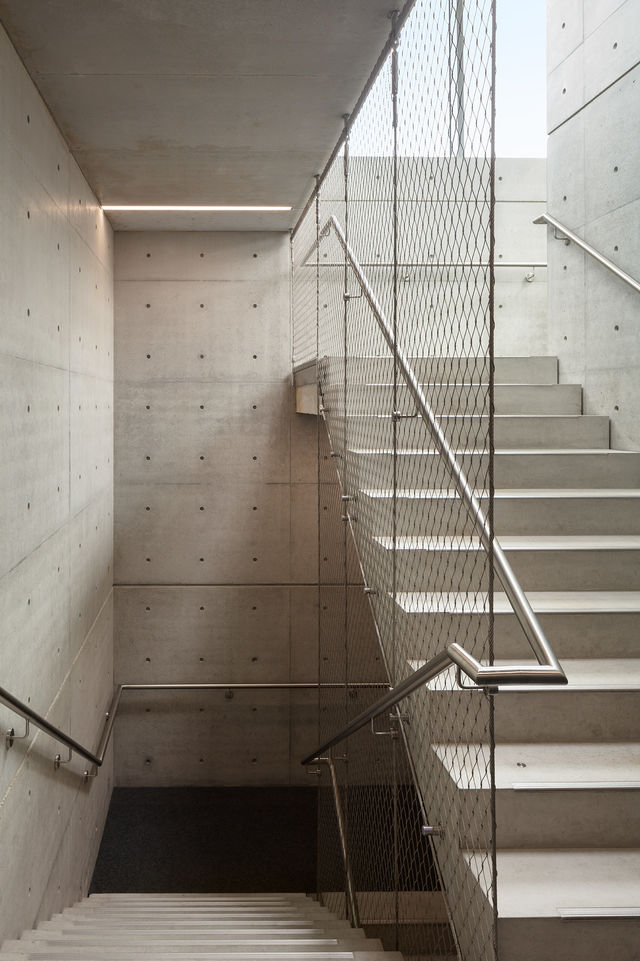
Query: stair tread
pixel 457 383
pixel 513 542
pixel 542 602
pixel 540 883
pixel 548 764
pixel 596 674
pixel 506 452
pixel 508 493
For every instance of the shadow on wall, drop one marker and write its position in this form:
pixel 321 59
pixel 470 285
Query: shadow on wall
pixel 208 840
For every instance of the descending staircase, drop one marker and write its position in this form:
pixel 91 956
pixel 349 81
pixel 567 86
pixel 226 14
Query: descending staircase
pixel 567 512
pixel 251 927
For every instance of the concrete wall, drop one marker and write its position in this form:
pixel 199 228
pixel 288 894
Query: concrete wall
pixel 593 163
pixel 56 390
pixel 216 511
pixel 521 290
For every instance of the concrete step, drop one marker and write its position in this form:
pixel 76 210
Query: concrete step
pixel 295 898
pixel 579 624
pixel 372 468
pixel 188 914
pixel 568 905
pixel 114 947
pixel 467 430
pixel 541 562
pixel 553 794
pixel 201 933
pixel 508 370
pixel 526 511
pixel 301 929
pixel 240 952
pixel 243 897
pixel 452 398
pixel 601 703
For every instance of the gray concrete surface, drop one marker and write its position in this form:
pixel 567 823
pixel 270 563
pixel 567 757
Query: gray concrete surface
pixel 594 133
pixel 216 511
pixel 224 103
pixel 56 514
pixel 520 303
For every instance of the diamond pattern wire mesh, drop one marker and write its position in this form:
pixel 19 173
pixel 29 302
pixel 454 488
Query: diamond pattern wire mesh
pixel 411 194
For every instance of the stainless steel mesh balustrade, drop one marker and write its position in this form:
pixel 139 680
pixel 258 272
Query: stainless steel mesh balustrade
pixel 400 238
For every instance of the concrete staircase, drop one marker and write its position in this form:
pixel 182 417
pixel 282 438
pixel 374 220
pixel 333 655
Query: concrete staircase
pixel 567 511
pixel 242 927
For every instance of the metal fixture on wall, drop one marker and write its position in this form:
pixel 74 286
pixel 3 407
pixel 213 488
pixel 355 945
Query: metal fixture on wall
pixel 96 758
pixel 569 236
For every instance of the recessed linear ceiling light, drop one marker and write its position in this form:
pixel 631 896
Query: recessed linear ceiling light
pixel 200 207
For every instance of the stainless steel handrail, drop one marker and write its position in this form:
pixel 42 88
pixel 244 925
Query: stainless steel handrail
pixel 352 900
pixel 548 669
pixel 573 237
pixel 96 758
pixel 491 677
pixel 426 673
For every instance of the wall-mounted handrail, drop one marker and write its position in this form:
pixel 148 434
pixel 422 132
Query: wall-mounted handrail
pixel 548 669
pixel 96 758
pixel 573 237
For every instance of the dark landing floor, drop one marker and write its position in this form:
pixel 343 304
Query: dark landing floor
pixel 208 840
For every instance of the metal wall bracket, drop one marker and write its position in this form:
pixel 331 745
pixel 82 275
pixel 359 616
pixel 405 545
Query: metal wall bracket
pixel 58 760
pixel 89 773
pixel 472 687
pixel 558 236
pixel 11 736
pixel 430 831
pixel 347 296
pixel 394 718
pixel 396 416
pixel 370 591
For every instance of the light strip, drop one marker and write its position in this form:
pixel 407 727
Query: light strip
pixel 195 209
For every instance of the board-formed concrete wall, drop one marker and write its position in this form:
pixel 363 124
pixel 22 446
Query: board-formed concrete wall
pixel 593 163
pixel 56 399
pixel 216 512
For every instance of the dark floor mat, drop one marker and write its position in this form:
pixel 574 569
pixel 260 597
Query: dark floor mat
pixel 208 840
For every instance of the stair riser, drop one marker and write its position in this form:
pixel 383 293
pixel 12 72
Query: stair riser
pixel 164 947
pixel 533 717
pixel 149 914
pixel 552 939
pixel 458 399
pixel 537 570
pixel 508 370
pixel 571 635
pixel 512 515
pixel 558 818
pixel 176 934
pixel 568 819
pixel 106 951
pixel 606 469
pixel 581 716
pixel 581 433
pixel 316 925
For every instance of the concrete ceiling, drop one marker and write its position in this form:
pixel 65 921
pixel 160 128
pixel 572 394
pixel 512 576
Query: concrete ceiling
pixel 199 101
